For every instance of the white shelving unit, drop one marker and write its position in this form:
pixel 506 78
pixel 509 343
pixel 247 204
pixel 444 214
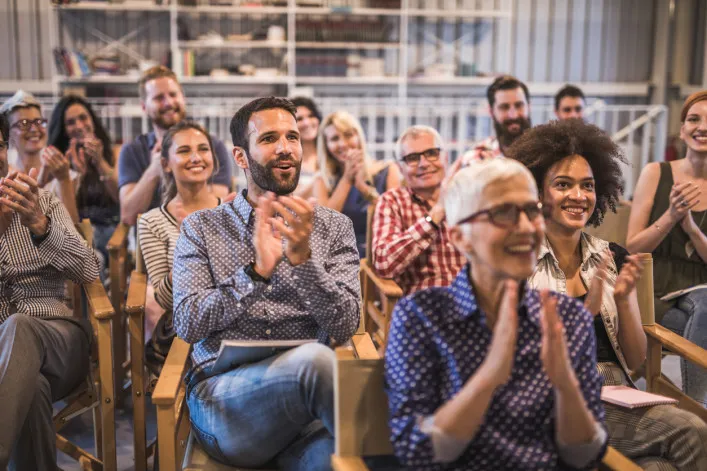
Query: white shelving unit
pixel 290 46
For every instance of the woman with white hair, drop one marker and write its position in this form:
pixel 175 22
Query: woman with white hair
pixel 480 374
pixel 349 180
pixel 28 140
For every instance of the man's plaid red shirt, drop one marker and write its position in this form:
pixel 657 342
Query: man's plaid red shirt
pixel 409 249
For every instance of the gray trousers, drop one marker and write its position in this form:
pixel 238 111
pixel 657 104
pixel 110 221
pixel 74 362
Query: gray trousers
pixel 658 438
pixel 41 361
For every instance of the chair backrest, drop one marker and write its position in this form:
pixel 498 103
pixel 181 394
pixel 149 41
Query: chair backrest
pixel 361 406
pixel 614 227
pixel 139 261
pixel 370 212
pixel 644 290
pixel 85 229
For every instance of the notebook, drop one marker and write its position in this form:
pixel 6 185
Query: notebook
pixel 238 352
pixel 630 398
pixel 677 294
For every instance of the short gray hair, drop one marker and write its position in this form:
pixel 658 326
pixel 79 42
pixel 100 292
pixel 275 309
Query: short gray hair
pixel 463 197
pixel 414 131
pixel 21 99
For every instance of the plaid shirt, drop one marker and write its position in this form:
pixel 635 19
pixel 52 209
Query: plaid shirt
pixel 33 275
pixel 488 144
pixel 409 249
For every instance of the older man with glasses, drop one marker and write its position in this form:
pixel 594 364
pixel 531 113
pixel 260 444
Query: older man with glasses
pixel 410 237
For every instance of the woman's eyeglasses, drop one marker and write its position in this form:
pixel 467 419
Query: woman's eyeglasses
pixel 26 124
pixel 507 215
pixel 413 159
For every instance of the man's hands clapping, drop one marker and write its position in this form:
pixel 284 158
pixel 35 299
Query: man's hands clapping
pixel 283 226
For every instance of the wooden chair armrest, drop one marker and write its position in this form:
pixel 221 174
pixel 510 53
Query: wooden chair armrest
pixel 173 371
pixel 614 460
pixel 119 237
pixel 677 344
pixel 137 294
pixel 388 287
pixel 98 300
pixel 348 463
pixel 364 348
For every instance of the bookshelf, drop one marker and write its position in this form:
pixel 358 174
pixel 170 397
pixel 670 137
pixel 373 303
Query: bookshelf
pixel 284 44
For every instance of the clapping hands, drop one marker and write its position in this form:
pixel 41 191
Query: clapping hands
pixel 283 226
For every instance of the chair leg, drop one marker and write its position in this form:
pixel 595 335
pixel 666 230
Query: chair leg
pixel 118 261
pixel 137 367
pixel 107 389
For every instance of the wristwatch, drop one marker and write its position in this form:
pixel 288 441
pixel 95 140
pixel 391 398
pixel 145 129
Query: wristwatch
pixel 429 219
pixel 254 275
pixel 38 239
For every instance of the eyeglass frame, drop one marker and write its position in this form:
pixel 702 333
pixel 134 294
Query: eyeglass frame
pixel 419 156
pixel 520 209
pixel 39 123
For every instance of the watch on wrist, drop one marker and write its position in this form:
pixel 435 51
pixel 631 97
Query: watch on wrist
pixel 254 275
pixel 38 239
pixel 429 219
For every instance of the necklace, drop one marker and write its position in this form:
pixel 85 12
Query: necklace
pixel 689 246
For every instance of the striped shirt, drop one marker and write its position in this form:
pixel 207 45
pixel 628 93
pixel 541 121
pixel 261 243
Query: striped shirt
pixel 33 276
pixel 158 231
pixel 409 249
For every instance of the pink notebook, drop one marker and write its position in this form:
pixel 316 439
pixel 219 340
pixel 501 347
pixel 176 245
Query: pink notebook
pixel 630 398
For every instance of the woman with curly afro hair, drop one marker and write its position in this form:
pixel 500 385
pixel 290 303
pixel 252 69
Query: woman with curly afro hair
pixel 577 169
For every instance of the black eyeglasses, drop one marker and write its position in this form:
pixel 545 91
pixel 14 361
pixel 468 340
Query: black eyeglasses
pixel 26 124
pixel 4 145
pixel 413 159
pixel 507 215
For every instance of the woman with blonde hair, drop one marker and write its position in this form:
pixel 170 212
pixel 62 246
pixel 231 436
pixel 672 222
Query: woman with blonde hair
pixel 349 179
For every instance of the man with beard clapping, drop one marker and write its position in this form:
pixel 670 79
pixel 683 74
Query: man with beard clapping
pixel 139 167
pixel 509 107
pixel 267 266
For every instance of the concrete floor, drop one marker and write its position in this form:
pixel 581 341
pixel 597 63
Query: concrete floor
pixel 80 429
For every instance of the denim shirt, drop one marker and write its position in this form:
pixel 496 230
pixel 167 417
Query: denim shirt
pixel 215 298
pixel 548 275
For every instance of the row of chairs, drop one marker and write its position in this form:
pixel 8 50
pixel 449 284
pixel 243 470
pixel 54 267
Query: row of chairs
pixel 360 401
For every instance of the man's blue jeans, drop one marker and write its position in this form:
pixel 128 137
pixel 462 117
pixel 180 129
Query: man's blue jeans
pixel 688 317
pixel 278 412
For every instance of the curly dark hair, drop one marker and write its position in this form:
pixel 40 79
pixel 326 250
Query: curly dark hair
pixel 543 146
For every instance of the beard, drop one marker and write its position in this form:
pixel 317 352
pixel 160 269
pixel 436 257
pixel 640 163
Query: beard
pixel 164 123
pixel 264 175
pixel 506 137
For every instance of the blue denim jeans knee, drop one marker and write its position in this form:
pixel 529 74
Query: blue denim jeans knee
pixel 279 411
pixel 688 317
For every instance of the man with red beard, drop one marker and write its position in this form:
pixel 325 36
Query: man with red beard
pixel 139 168
pixel 509 107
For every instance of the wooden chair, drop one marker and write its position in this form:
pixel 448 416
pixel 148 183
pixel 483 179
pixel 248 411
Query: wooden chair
pixel 178 449
pixel 119 262
pixel 361 408
pixel 379 295
pixel 660 338
pixel 135 313
pixel 91 301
